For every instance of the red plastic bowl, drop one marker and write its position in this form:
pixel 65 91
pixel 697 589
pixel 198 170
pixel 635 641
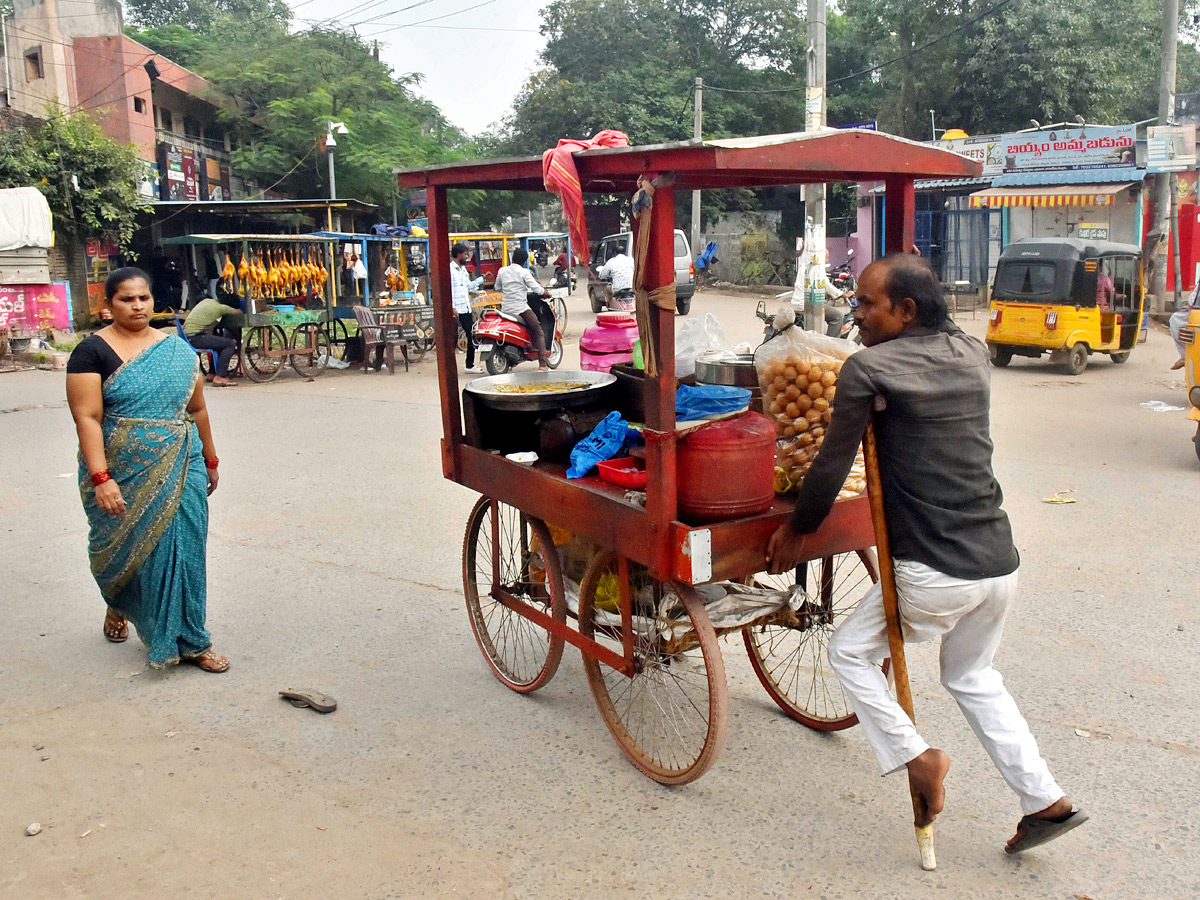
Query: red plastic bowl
pixel 627 472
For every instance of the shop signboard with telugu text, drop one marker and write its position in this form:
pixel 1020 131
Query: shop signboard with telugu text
pixel 35 308
pixel 1085 147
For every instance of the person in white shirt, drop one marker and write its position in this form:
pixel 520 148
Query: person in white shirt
pixel 461 286
pixel 516 281
pixel 618 270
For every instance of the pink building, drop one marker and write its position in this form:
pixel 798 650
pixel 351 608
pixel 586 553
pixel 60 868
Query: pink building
pixel 73 55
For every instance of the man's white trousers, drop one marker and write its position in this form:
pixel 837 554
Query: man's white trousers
pixel 969 618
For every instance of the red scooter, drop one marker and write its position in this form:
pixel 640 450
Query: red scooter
pixel 503 341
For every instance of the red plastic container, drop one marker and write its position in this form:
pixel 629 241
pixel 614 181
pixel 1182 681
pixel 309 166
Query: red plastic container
pixel 627 472
pixel 727 469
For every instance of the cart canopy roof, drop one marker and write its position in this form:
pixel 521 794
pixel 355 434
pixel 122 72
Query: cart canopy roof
pixel 778 159
pixel 211 239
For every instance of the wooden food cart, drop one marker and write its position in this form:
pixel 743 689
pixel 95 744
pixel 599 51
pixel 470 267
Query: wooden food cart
pixel 649 648
pixel 274 276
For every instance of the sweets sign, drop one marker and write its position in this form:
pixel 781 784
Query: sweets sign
pixel 1097 147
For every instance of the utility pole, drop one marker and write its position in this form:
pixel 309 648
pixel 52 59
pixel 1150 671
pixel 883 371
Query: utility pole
pixel 697 121
pixel 1160 218
pixel 810 267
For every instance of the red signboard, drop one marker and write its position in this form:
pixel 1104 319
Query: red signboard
pixel 35 308
pixel 191 179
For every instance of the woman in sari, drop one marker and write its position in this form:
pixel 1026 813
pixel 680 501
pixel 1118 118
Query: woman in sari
pixel 147 464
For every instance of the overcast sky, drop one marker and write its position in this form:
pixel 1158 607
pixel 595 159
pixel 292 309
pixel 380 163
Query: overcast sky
pixel 471 68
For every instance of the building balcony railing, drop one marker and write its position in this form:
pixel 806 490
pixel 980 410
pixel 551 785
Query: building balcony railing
pixel 210 148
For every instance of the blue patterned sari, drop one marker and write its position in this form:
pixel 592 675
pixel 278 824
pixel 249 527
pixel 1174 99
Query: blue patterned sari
pixel 150 563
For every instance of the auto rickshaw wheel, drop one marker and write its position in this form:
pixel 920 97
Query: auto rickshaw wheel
pixel 1196 441
pixel 1119 358
pixel 1077 359
pixel 1001 356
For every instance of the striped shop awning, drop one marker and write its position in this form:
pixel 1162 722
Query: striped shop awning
pixel 1055 195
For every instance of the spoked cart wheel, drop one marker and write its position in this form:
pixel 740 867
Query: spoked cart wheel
pixel 264 352
pixel 791 660
pixel 339 337
pixel 670 717
pixel 310 350
pixel 507 554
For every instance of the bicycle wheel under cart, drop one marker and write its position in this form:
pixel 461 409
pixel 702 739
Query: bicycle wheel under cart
pixel 670 716
pixel 264 352
pixel 790 652
pixel 509 557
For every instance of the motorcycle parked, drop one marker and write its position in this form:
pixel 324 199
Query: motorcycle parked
pixel 842 276
pixel 504 342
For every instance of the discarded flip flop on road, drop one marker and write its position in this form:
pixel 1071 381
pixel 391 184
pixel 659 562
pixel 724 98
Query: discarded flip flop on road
pixel 1042 831
pixel 302 697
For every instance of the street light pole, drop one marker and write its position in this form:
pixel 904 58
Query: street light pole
pixel 1160 220
pixel 330 144
pixel 810 268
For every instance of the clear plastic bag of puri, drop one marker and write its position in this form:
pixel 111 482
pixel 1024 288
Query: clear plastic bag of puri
pixel 798 372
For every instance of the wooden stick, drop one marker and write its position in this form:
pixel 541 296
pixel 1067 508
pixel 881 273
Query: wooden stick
pixel 891 612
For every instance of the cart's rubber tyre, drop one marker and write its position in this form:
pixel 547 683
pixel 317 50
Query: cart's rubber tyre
pixel 1119 358
pixel 339 337
pixel 793 663
pixel 310 350
pixel 416 350
pixel 1001 356
pixel 522 655
pixel 497 363
pixel 258 340
pixel 670 718
pixel 555 357
pixel 1077 359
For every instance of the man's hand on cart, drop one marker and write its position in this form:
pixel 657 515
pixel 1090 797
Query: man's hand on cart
pixel 785 549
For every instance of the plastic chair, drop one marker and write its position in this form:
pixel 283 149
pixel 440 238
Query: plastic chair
pixel 211 354
pixel 375 340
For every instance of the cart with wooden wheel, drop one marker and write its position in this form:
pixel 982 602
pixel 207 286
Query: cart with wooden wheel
pixel 639 616
pixel 273 275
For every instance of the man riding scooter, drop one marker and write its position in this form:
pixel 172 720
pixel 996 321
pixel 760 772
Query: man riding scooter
pixel 618 271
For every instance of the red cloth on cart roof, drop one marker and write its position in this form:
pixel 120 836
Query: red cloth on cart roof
pixel 562 178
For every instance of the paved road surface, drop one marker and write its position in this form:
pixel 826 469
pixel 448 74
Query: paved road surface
pixel 335 562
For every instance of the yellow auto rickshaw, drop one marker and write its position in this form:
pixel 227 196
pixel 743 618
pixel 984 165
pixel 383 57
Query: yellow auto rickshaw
pixel 1189 336
pixel 1067 297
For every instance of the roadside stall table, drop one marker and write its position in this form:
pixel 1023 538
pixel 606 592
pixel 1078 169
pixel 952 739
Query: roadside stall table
pixel 639 618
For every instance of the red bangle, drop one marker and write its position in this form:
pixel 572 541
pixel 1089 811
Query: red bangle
pixel 100 477
pixel 211 462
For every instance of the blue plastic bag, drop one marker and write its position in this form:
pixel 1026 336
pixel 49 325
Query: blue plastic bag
pixel 705 401
pixel 605 442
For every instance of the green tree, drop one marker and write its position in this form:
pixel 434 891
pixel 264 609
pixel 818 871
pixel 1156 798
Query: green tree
pixel 89 180
pixel 994 71
pixel 206 16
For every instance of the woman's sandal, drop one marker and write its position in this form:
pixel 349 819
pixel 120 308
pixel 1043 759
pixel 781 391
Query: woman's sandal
pixel 208 662
pixel 116 627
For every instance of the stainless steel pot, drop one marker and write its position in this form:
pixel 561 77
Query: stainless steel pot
pixel 737 371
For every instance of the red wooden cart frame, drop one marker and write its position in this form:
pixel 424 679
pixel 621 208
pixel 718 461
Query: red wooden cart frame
pixel 671 550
